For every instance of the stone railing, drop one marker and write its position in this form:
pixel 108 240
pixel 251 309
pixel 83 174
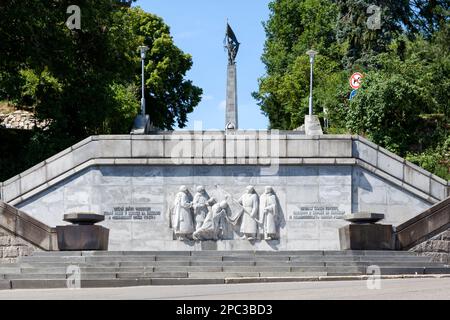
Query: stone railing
pixel 424 226
pixel 265 148
pixel 22 234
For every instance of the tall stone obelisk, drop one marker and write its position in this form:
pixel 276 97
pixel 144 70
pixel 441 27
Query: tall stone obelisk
pixel 231 112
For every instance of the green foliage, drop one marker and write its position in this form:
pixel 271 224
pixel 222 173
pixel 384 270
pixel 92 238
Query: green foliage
pixel 86 82
pixel 293 28
pixel 403 102
pixel 436 160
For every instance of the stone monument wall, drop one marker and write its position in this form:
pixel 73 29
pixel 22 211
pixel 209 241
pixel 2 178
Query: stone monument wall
pixel 137 201
pixel 135 181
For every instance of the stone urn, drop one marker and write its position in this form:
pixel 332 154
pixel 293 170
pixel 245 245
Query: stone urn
pixel 82 234
pixel 364 233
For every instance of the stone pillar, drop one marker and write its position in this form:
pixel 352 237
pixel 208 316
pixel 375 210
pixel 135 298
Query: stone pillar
pixel 231 113
pixel 312 126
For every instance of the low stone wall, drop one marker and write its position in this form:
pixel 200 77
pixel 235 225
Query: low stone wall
pixel 12 247
pixel 437 247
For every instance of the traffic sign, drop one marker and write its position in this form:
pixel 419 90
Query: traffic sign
pixel 355 80
pixel 353 94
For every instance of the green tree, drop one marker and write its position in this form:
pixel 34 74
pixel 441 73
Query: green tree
pixel 85 82
pixel 294 27
pixel 362 42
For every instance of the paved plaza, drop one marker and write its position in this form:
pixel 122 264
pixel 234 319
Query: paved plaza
pixel 400 289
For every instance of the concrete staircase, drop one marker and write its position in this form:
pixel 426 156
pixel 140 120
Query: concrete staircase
pixel 122 269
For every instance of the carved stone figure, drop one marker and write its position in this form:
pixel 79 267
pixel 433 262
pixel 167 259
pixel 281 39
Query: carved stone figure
pixel 182 219
pixel 214 224
pixel 249 202
pixel 200 205
pixel 268 213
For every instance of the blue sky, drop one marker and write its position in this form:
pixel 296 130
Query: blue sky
pixel 198 28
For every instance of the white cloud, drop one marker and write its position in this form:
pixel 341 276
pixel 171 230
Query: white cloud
pixel 222 105
pixel 207 97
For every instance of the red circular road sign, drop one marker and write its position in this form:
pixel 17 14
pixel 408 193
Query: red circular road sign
pixel 355 80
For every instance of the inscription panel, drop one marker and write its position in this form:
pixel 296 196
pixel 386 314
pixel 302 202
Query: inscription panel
pixel 139 213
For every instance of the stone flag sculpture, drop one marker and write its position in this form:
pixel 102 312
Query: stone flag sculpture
pixel 231 44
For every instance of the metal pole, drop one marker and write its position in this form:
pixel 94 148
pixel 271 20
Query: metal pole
pixel 311 61
pixel 143 90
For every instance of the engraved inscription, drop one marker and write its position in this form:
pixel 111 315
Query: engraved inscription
pixel 316 212
pixel 132 213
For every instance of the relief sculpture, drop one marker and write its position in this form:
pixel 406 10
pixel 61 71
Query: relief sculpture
pixel 204 218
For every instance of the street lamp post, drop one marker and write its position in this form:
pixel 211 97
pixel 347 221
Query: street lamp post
pixel 141 122
pixel 143 50
pixel 312 54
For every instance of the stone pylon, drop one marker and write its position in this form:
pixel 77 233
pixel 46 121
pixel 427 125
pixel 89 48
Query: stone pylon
pixel 231 113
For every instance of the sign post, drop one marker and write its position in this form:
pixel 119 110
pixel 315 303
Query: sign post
pixel 355 80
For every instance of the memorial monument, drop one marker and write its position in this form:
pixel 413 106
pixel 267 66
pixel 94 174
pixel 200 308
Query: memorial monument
pixel 231 111
pixel 249 190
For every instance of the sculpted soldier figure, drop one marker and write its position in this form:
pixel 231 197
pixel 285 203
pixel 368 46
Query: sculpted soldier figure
pixel 268 213
pixel 200 205
pixel 182 219
pixel 212 228
pixel 249 202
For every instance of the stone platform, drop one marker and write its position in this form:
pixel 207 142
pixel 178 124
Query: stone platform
pixel 124 268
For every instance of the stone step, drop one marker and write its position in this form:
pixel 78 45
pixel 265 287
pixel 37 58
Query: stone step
pixel 383 264
pixel 225 253
pixel 437 270
pixel 5 284
pixel 183 260
pixel 107 283
pixel 137 275
pixel 338 258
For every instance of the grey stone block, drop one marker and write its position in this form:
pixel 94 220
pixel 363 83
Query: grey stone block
pixel 335 148
pixel 185 281
pixel 114 148
pixel 222 263
pixel 111 283
pixel 302 148
pixel 367 237
pixel 154 263
pixel 257 269
pixel 390 165
pixel 120 259
pixel 61 270
pixel 437 270
pixel 5 284
pixel 53 259
pixel 38 284
pixel 309 269
pixel 189 269
pixel 221 275
pixel 417 178
pixel 401 270
pixel 438 190
pixel 82 237
pixel 8 270
pixel 290 263
pixel 35 276
pixel 365 152
pixel 147 148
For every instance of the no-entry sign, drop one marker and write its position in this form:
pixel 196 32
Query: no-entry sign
pixel 355 80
